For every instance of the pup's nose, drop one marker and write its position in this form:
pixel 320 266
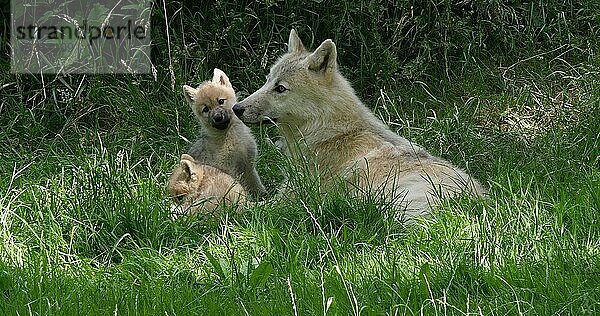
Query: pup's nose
pixel 178 198
pixel 218 118
pixel 238 110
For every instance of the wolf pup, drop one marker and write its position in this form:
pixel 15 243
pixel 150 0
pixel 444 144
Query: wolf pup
pixel 200 188
pixel 320 116
pixel 224 142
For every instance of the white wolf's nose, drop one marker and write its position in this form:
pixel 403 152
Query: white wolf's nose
pixel 238 110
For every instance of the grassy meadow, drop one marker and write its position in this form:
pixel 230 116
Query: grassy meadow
pixel 507 90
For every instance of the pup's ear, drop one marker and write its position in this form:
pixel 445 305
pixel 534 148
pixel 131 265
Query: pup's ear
pixel 219 77
pixel 188 170
pixel 189 93
pixel 323 59
pixel 187 157
pixel 294 43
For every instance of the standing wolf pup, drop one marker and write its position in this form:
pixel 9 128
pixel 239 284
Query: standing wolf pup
pixel 224 142
pixel 318 114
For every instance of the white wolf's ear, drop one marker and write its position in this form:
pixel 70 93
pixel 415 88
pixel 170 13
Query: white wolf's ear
pixel 219 77
pixel 189 93
pixel 294 43
pixel 323 59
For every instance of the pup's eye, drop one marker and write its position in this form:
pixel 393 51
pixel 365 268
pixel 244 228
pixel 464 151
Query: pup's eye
pixel 220 101
pixel 205 109
pixel 280 89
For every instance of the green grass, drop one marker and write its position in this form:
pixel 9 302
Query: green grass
pixel 84 161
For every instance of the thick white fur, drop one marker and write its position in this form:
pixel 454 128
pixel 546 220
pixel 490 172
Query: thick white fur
pixel 321 117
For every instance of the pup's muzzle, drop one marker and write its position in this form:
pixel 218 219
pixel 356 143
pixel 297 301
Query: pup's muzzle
pixel 220 121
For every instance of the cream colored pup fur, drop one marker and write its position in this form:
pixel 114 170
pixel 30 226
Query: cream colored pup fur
pixel 201 189
pixel 224 142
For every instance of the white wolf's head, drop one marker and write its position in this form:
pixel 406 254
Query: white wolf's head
pixel 212 101
pixel 296 87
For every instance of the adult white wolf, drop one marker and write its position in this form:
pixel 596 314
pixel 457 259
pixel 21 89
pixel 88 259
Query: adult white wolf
pixel 320 116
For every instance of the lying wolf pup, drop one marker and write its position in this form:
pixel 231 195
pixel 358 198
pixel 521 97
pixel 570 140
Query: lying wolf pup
pixel 320 116
pixel 201 189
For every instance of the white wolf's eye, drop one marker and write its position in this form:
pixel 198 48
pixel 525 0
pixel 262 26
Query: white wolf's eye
pixel 280 89
pixel 221 101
